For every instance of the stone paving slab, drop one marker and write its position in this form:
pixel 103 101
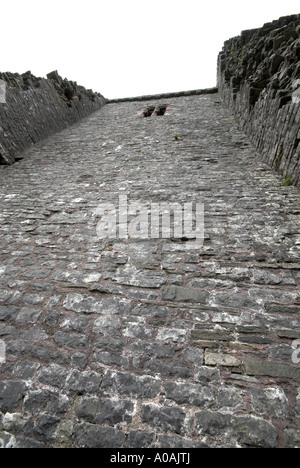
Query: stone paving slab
pixel 142 342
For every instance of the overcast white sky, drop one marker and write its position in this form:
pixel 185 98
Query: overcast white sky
pixel 124 48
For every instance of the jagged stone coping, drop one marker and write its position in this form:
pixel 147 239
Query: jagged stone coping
pixel 36 108
pixel 259 80
pixel 193 92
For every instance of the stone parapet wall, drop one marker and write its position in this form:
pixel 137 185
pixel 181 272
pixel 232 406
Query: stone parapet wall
pixel 35 108
pixel 259 80
pixel 193 92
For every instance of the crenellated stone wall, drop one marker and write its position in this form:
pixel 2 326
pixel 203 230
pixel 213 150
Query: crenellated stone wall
pixel 259 80
pixel 34 108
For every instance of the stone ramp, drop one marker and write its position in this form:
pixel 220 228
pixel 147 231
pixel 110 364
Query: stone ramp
pixel 143 342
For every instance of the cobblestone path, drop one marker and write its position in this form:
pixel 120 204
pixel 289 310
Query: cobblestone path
pixel 143 342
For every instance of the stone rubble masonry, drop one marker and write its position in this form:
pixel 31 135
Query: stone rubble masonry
pixel 35 108
pixel 259 80
pixel 137 343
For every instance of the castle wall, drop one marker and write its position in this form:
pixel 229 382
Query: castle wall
pixel 259 80
pixel 149 342
pixel 34 108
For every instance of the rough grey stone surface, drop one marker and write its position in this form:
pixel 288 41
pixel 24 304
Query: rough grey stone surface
pixel 259 80
pixel 143 342
pixel 35 108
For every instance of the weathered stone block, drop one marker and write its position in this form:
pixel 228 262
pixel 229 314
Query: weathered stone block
pixel 78 324
pixel 151 311
pixel 245 430
pixel 236 300
pixel 153 349
pixel 271 369
pixel 136 330
pixel 181 294
pixel 140 439
pixel 45 425
pixel 191 394
pixel 253 431
pixel 54 376
pixel 36 401
pixel 270 401
pixel 33 334
pixel 8 313
pixel 212 423
pixel 82 303
pixel 214 335
pixel 229 397
pixel 170 369
pixel 172 334
pixel 111 344
pixel 25 370
pixel 178 442
pixel 11 393
pixel 107 325
pixel 83 382
pixel 206 374
pixel 130 384
pixel 214 359
pixel 193 355
pixel 131 276
pixel 111 359
pixel 105 411
pixel 7 440
pixel 72 340
pixel 292 437
pixel 94 436
pixel 164 418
